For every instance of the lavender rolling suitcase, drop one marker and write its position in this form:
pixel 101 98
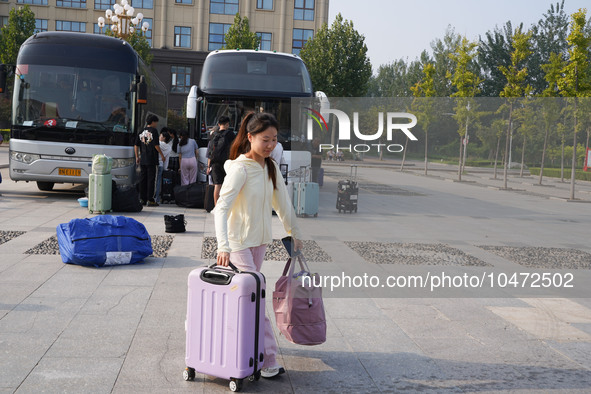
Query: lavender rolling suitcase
pixel 225 324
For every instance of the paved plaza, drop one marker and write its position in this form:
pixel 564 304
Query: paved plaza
pixel 73 329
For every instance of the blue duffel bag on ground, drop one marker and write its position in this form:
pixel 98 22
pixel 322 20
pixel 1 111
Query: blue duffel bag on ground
pixel 103 241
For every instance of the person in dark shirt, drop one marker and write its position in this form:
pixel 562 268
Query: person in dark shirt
pixel 147 150
pixel 218 151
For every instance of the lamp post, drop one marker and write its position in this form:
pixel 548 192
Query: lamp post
pixel 123 22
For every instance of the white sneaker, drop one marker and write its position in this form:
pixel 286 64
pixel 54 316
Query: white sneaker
pixel 272 372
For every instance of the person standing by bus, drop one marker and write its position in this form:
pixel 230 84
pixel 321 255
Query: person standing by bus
pixel 188 153
pixel 243 213
pixel 147 150
pixel 218 151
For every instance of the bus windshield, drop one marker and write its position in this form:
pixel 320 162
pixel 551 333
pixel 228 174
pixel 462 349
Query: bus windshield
pixel 72 98
pixel 237 107
pixel 256 73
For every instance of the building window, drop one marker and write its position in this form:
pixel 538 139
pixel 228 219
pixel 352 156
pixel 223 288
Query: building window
pixel 103 4
pixel 300 36
pixel 183 1
pixel 3 21
pixel 71 3
pixel 304 10
pixel 265 4
pixel 149 4
pixel 266 39
pixel 40 25
pixel 217 35
pixel 70 26
pixel 34 2
pixel 227 7
pixel 181 79
pixel 182 37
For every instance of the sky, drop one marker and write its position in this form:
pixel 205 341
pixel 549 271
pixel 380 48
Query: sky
pixel 396 29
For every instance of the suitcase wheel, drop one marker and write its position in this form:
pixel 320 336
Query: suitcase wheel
pixel 189 374
pixel 236 384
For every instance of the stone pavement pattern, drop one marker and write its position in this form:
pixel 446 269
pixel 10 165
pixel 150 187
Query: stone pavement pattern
pixel 121 330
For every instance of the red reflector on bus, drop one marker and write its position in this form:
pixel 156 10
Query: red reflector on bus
pixel 142 101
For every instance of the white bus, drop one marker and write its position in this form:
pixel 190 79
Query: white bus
pixel 77 95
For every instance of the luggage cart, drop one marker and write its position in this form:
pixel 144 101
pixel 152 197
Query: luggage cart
pixel 348 193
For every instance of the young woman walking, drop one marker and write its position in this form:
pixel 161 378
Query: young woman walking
pixel 252 187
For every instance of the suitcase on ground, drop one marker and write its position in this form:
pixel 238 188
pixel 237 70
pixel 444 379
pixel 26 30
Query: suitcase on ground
pixel 190 196
pixel 99 193
pixel 225 324
pixel 209 199
pixel 103 240
pixel 306 196
pixel 347 193
pixel 168 184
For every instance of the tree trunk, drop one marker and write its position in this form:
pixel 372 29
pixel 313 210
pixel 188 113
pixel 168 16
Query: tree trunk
pixel 460 162
pixel 562 161
pixel 426 147
pixel 544 154
pixel 404 155
pixel 497 155
pixel 505 170
pixel 522 157
pixel 574 161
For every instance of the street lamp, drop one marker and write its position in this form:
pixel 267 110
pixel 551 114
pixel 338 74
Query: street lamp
pixel 123 22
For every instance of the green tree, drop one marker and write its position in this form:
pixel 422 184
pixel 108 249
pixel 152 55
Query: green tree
pixel 337 60
pixel 466 82
pixel 138 42
pixel 575 80
pixel 495 51
pixel 239 35
pixel 424 105
pixel 516 74
pixel 550 105
pixel 21 25
pixel 443 64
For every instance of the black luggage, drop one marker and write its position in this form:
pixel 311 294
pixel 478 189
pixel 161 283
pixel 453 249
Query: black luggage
pixel 209 199
pixel 347 193
pixel 125 199
pixel 190 196
pixel 168 184
pixel 174 223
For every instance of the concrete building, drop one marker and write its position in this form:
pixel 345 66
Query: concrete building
pixel 182 32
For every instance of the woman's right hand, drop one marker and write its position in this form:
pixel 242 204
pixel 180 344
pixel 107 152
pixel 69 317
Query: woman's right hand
pixel 223 259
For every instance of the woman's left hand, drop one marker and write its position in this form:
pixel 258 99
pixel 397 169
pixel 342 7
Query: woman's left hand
pixel 297 245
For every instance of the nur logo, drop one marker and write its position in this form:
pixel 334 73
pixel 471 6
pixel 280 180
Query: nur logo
pixel 344 122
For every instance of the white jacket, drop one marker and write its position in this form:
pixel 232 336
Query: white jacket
pixel 243 211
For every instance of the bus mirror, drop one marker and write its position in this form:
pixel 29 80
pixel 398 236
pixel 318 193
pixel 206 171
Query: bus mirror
pixel 3 74
pixel 324 103
pixel 142 91
pixel 192 103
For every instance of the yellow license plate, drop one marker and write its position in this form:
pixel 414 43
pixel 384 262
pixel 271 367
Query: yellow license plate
pixel 70 171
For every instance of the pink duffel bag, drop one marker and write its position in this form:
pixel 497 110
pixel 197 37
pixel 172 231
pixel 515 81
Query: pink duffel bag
pixel 298 306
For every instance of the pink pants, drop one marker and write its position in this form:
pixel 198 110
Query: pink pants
pixel 251 259
pixel 188 171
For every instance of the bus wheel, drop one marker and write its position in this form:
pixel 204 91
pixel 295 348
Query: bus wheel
pixel 45 186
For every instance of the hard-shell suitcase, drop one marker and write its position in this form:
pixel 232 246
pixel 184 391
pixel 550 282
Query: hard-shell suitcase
pixel 306 197
pixel 209 202
pixel 99 193
pixel 225 324
pixel 168 184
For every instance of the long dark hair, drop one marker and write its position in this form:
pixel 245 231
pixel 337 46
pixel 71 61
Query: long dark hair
pixel 175 139
pixel 255 123
pixel 184 138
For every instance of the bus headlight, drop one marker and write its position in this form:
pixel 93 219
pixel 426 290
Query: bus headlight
pixel 26 158
pixel 120 163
